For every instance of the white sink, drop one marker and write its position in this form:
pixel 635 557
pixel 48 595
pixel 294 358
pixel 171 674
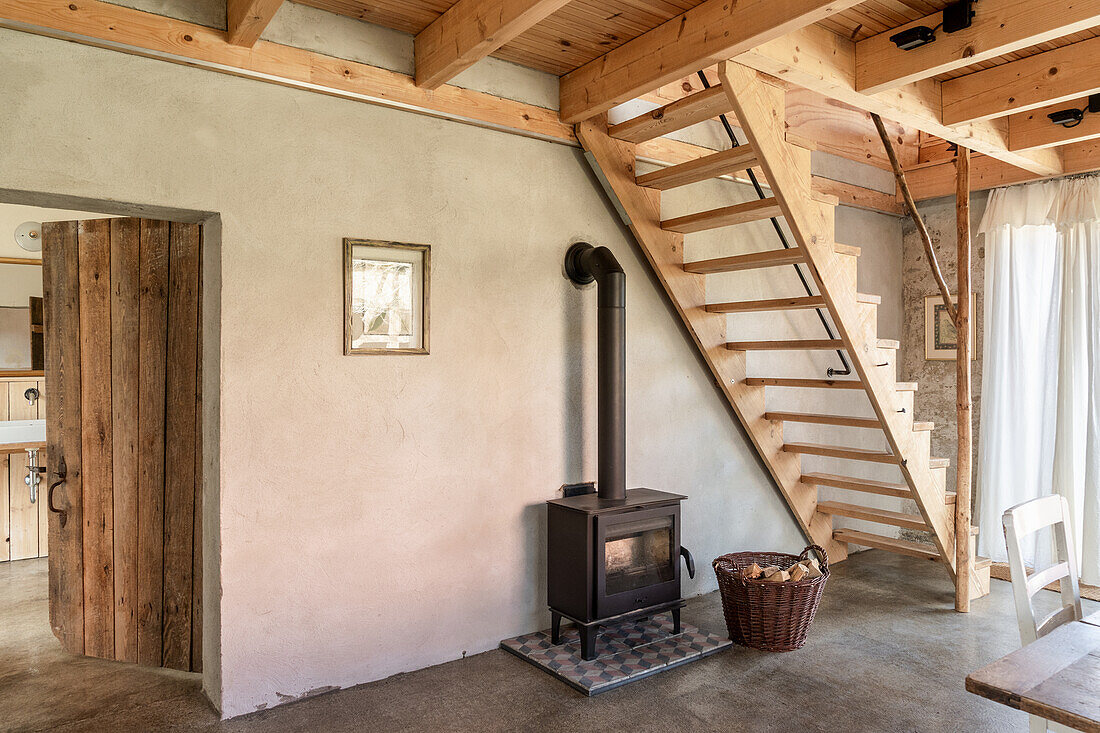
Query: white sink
pixel 22 431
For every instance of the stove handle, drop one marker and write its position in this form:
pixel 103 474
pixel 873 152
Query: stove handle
pixel 686 554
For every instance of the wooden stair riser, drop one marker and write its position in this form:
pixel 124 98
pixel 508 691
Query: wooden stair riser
pixel 847 274
pixel 939 476
pixel 905 399
pixel 686 290
pixel 811 225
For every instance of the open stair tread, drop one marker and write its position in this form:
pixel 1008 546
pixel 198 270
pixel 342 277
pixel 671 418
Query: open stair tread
pixel 751 261
pixel 939 462
pixel 868 486
pixel 770 304
pixel 785 345
pixel 725 216
pixel 685 112
pixel 795 344
pixel 717 164
pixel 871 514
pixel 806 383
pixel 781 304
pixel 851 421
pixel 839 451
pixel 890 544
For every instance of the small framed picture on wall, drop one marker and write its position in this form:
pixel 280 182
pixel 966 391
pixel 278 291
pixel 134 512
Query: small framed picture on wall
pixel 940 336
pixel 386 297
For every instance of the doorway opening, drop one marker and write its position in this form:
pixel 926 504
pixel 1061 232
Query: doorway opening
pixel 108 492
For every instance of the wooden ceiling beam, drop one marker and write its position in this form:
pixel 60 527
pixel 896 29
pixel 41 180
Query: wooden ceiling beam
pixel 1018 86
pixel 997 28
pixel 246 19
pixel 125 30
pixel 820 60
pixel 932 180
pixel 471 30
pixel 1030 130
pixel 706 34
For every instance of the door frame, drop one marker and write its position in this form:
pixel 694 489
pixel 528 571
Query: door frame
pixel 210 278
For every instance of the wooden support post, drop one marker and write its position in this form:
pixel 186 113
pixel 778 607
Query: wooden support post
pixel 963 560
pixel 899 174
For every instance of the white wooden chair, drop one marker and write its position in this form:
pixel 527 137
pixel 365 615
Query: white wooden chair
pixel 1019 522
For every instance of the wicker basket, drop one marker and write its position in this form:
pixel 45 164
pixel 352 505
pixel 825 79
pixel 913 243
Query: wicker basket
pixel 774 617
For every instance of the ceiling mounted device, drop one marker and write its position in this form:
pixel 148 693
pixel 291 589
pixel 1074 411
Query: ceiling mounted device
pixel 1073 117
pixel 28 235
pixel 956 16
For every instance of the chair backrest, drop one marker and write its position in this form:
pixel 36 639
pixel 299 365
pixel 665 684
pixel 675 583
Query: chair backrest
pixel 1026 519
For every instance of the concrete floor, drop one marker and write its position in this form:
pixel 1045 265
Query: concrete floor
pixel 886 653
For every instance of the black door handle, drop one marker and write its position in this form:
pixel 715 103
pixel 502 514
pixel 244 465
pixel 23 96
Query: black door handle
pixel 61 473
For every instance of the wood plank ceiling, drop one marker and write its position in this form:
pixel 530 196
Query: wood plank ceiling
pixel 587 29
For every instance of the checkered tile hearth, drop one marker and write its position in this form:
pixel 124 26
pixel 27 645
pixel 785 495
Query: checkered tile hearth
pixel 625 652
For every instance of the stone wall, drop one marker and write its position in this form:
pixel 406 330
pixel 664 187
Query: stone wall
pixel 936 396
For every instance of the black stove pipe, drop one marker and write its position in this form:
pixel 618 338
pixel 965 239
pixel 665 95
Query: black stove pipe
pixel 583 264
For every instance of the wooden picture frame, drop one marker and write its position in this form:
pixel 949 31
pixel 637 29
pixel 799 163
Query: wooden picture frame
pixel 939 330
pixel 393 316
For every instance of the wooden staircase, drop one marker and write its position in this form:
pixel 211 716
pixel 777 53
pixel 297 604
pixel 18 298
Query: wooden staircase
pixel 759 109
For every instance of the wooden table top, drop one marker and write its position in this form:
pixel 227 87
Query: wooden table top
pixel 1056 677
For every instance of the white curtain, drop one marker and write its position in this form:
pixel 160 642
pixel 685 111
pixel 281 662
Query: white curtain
pixel 1040 413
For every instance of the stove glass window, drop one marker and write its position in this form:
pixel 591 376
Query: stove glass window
pixel 639 554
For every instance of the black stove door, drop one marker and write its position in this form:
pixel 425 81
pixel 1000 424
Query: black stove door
pixel 637 559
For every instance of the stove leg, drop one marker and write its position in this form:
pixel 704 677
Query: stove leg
pixel 588 642
pixel 675 621
pixel 555 627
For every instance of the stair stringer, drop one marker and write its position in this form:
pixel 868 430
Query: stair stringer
pixel 641 210
pixel 759 108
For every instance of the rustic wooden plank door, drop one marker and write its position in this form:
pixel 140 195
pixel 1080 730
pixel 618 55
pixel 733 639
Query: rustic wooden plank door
pixel 122 342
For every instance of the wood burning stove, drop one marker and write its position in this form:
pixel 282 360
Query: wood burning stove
pixel 614 554
pixel 610 562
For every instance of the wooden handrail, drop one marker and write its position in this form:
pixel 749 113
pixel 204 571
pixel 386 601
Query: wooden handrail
pixel 19 261
pixel 910 204
pixel 963 559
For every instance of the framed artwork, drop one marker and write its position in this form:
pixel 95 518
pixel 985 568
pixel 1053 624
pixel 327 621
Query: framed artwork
pixel 940 337
pixel 386 296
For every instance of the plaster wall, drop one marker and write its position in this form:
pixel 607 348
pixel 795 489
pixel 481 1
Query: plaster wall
pixel 381 514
